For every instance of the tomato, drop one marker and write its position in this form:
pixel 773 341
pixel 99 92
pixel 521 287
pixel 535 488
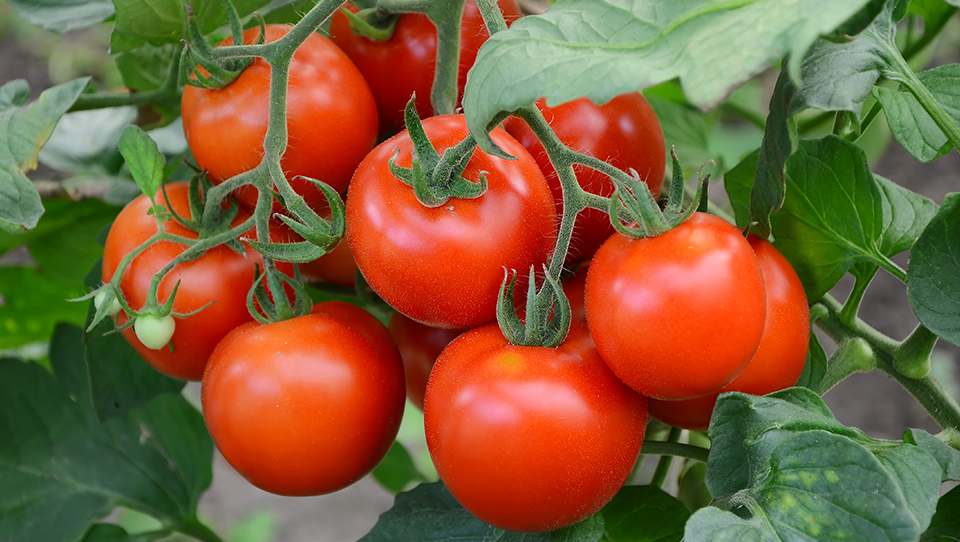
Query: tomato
pixel 624 132
pixel 419 346
pixel 531 438
pixel 405 64
pixel 443 266
pixel 782 352
pixel 331 119
pixel 220 276
pixel 305 406
pixel 678 315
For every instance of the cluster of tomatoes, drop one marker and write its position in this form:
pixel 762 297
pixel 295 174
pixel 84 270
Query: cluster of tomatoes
pixel 527 438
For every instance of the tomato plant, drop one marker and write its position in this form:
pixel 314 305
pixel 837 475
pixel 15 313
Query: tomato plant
pixel 404 64
pixel 557 460
pixel 305 406
pixel 220 278
pixel 329 106
pixel 782 353
pixel 832 126
pixel 697 289
pixel 624 132
pixel 443 266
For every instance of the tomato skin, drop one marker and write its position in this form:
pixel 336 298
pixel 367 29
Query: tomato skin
pixel 305 406
pixel 419 346
pixel 443 266
pixel 782 352
pixel 405 64
pixel 530 438
pixel 220 276
pixel 331 119
pixel 624 132
pixel 679 315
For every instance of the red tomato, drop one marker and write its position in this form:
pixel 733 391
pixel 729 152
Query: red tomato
pixel 220 276
pixel 336 267
pixel 305 406
pixel 443 266
pixel 679 315
pixel 405 63
pixel 331 119
pixel 419 346
pixel 531 438
pixel 624 132
pixel 783 349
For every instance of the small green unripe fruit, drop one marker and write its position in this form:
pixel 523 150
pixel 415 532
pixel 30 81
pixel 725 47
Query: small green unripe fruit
pixel 154 332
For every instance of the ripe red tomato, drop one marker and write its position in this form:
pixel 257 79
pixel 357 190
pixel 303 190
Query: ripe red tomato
pixel 419 347
pixel 531 438
pixel 782 352
pixel 443 266
pixel 331 119
pixel 405 63
pixel 624 132
pixel 221 276
pixel 305 406
pixel 679 315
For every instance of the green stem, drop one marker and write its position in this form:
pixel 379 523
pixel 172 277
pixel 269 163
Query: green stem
pixel 912 357
pixel 663 466
pixel 850 309
pixel 675 449
pixel 446 16
pixel 167 94
pixel 943 408
pixel 909 79
pixel 870 116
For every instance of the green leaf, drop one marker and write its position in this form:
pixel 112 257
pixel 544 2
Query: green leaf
pixel 946 456
pixel 165 21
pixel 821 485
pixel 106 532
pixel 946 522
pixel 14 94
pixel 120 380
pixel 826 179
pixel 55 456
pixel 910 123
pixel 145 68
pixel 714 525
pixel 738 183
pixel 429 512
pixel 86 141
pixel 23 130
pixel 32 305
pixel 397 472
pixel 859 22
pixel 644 514
pixel 62 16
pixel 685 130
pixel 918 475
pixel 693 491
pixel 779 143
pixel 905 215
pixel 144 159
pixel 933 276
pixel 712 47
pixel 815 368
pixel 745 429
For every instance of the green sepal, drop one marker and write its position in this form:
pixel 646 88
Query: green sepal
pixel 548 312
pixel 361 27
pixel 236 26
pixel 258 293
pixel 103 311
pixel 436 180
pixel 325 234
pixel 675 200
pixel 510 324
pixel 300 252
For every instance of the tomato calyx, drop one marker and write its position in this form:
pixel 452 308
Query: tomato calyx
pixel 632 200
pixel 372 23
pixel 199 67
pixel 266 308
pixel 548 312
pixel 435 179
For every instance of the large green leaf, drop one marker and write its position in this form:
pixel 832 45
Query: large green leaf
pixel 23 130
pixel 946 522
pixel 62 16
pixel 165 21
pixel 32 306
pixel 86 141
pixel 712 46
pixel 396 471
pixel 55 456
pixel 933 276
pixel 779 143
pixel 905 215
pixel 832 216
pixel 946 456
pixel 429 512
pixel 714 525
pixel 644 514
pixel 910 123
